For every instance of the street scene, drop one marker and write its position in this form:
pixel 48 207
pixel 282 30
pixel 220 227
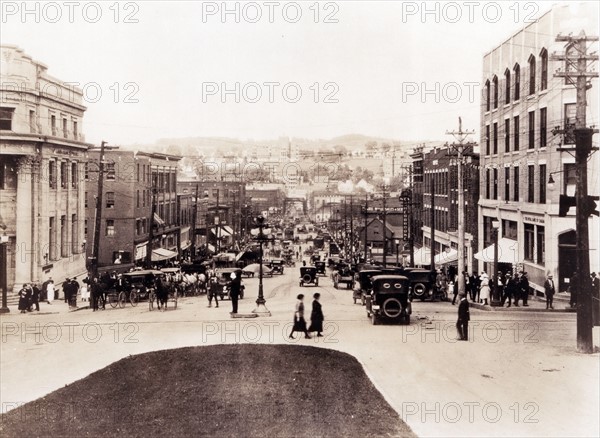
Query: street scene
pixel 267 219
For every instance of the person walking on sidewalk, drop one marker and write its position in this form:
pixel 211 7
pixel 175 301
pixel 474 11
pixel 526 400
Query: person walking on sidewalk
pixel 484 291
pixel 50 291
pixel 23 302
pixel 316 316
pixel 35 297
pixel 549 291
pixel 213 292
pixel 462 324
pixel 452 289
pixel 299 321
pixel 524 286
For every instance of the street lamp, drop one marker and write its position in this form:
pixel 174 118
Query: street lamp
pixel 496 299
pixel 261 308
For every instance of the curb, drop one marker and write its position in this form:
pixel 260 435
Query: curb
pixel 519 309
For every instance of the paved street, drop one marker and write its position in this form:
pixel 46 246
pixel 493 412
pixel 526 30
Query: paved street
pixel 497 384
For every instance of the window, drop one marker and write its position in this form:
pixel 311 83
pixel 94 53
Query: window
pixel 517 71
pixel 543 127
pixel 544 69
pixel 137 199
pixel 495 183
pixel 110 171
pixel 506 183
pixel 85 228
pixel 63 236
pixel 6 115
pixel 507 86
pixel 52 238
pixel 509 229
pixel 507 135
pixel 64 177
pixel 215 193
pixel 110 199
pixel 488 95
pixel 65 130
pixel 137 172
pixel 74 175
pixel 530 183
pixel 531 129
pixel 542 183
pixel 138 227
pixel 487 184
pixel 529 237
pixel 495 138
pixel 570 174
pixel 516 184
pixel 86 172
pixel 75 131
pixel 495 81
pixel 110 227
pixel 85 200
pixel 570 116
pixel 32 124
pixel 516 135
pixel 74 235
pixel 487 139
pixel 52 174
pixel 531 75
pixel 541 245
pixel 53 124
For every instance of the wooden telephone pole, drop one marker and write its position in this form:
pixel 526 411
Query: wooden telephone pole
pixel 577 74
pixel 98 222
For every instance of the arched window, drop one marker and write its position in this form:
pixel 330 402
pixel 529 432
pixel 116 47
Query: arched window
pixel 531 62
pixel 517 72
pixel 487 95
pixel 570 62
pixel 543 69
pixel 507 86
pixel 495 82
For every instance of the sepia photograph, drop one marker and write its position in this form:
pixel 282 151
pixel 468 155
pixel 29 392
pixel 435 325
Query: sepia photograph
pixel 281 219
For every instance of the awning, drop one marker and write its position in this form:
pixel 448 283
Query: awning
pixel 141 250
pixel 422 256
pixel 225 231
pixel 508 252
pixel 158 220
pixel 161 254
pixel 446 257
pixel 185 245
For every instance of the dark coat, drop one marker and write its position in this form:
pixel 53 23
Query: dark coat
pixel 234 286
pixel 316 318
pixel 463 310
pixel 23 299
pixel 549 289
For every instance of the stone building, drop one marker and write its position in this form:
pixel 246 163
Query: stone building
pixel 42 155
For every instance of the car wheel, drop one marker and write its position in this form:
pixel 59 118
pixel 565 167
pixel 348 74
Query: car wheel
pixel 419 290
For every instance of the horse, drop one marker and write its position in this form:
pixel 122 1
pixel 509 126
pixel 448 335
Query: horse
pixel 162 294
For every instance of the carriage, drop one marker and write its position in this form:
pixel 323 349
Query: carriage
pixel 171 293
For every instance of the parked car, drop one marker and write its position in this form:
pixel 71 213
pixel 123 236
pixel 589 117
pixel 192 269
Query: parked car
pixel 362 284
pixel 389 299
pixel 223 277
pixel 308 275
pixel 342 274
pixel 276 266
pixel 320 268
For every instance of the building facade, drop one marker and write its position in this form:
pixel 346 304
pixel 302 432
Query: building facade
pixel 42 155
pixel 522 103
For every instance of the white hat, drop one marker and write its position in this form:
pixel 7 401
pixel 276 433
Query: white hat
pixel 233 275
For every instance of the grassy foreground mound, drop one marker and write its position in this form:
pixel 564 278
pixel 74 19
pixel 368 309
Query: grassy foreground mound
pixel 220 391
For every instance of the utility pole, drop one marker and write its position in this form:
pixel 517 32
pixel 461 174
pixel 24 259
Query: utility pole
pixel 351 229
pixel 98 223
pixel 577 74
pixel 432 218
pixel 461 136
pixel 366 218
pixel 194 223
pixel 384 230
pixel 154 189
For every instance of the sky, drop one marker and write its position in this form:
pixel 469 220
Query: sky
pixel 261 70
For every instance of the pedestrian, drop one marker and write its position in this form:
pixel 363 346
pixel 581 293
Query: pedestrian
pixel 462 323
pixel 549 291
pixel 213 291
pixel 484 290
pixel 508 291
pixel 96 293
pixel 35 297
pixel 524 286
pixel 66 286
pixel 474 280
pixel 85 290
pixel 299 321
pixel 75 286
pixel 316 316
pixel 595 299
pixel 452 290
pixel 234 292
pixel 50 291
pixel 573 289
pixel 23 304
pixel 28 297
pixel 515 290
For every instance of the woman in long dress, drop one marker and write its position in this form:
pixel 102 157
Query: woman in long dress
pixel 316 316
pixel 484 291
pixel 299 321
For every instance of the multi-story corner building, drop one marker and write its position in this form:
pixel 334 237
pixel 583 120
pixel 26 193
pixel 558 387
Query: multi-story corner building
pixel 521 105
pixel 439 172
pixel 133 181
pixel 42 154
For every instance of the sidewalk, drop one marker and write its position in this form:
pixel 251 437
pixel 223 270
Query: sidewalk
pixel 535 304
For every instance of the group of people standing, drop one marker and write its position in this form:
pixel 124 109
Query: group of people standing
pixel 512 288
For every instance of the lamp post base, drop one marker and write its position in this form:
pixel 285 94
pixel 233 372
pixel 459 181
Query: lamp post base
pixel 261 310
pixel 4 310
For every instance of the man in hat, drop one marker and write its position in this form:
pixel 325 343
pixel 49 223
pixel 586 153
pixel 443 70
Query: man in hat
pixel 524 286
pixel 549 291
pixel 462 324
pixel 234 291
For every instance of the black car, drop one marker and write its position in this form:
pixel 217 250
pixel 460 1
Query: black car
pixel 223 280
pixel 276 266
pixel 308 275
pixel 389 299
pixel 320 268
pixel 362 284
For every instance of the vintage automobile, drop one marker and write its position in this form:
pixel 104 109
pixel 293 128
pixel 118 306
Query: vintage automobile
pixel 422 282
pixel 389 299
pixel 276 265
pixel 342 274
pixel 308 275
pixel 362 284
pixel 320 268
pixel 223 278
